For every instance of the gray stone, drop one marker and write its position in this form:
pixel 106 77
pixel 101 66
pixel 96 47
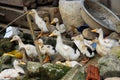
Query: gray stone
pixel 6 46
pixel 88 34
pixel 109 66
pixel 6 62
pixel 75 74
pixel 115 51
pixel 33 67
pixel 46 71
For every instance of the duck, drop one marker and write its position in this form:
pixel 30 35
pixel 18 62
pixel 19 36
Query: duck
pixel 66 51
pixel 105 41
pixel 30 49
pixel 39 22
pixel 69 63
pixel 14 53
pixel 60 27
pixel 50 27
pixel 17 71
pixel 46 49
pixel 84 46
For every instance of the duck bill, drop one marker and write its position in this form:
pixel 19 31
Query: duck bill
pixel 31 12
pixel 52 22
pixel 22 63
pixel 51 35
pixel 94 30
pixel 11 40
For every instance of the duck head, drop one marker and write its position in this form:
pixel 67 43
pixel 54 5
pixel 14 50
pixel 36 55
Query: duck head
pixel 33 12
pixel 54 33
pixel 55 20
pixel 15 38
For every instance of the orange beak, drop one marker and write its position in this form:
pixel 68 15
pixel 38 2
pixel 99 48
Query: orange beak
pixel 52 34
pixel 94 30
pixel 52 22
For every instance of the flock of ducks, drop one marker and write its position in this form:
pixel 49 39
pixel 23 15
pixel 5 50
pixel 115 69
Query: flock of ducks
pixel 84 46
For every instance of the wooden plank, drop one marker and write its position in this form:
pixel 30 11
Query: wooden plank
pixel 43 2
pixel 9 14
pixel 18 3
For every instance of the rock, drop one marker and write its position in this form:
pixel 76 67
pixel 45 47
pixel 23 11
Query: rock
pixel 6 62
pixel 88 34
pixel 115 51
pixel 46 71
pixel 6 46
pixel 109 66
pixel 114 35
pixel 33 68
pixel 74 74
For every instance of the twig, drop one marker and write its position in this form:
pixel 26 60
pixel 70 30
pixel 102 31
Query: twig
pixel 33 36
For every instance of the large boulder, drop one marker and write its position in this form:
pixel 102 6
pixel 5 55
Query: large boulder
pixel 6 46
pixel 46 71
pixel 76 73
pixel 109 66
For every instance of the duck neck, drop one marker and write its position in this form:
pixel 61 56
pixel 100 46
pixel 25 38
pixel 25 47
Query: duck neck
pixel 20 43
pixel 18 68
pixel 100 36
pixel 59 39
pixel 57 25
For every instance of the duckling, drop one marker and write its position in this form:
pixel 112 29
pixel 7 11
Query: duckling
pixel 39 21
pixel 64 50
pixel 30 49
pixel 105 41
pixel 60 27
pixel 69 63
pixel 46 49
pixel 15 54
pixel 17 71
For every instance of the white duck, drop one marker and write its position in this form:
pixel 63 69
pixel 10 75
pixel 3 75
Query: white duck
pixel 84 46
pixel 104 45
pixel 105 41
pixel 64 50
pixel 30 49
pixel 12 73
pixel 46 49
pixel 39 21
pixel 60 27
